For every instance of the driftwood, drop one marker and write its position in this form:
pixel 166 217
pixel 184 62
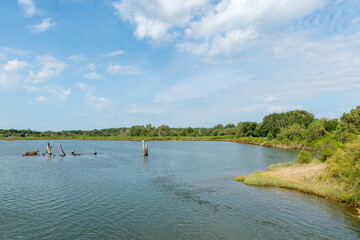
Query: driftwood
pixel 75 154
pixel 63 154
pixel 48 150
pixel 33 153
pixel 145 148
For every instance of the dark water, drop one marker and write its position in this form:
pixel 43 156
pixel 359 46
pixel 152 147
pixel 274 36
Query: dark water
pixel 182 190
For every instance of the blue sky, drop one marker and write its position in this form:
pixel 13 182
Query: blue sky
pixel 86 64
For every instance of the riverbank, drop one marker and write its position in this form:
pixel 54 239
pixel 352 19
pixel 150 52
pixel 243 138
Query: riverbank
pixel 307 178
pixel 227 138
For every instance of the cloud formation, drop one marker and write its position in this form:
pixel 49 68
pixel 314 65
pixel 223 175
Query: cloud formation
pixel 114 53
pixel 209 28
pixel 11 73
pixel 43 26
pixel 159 19
pixel 58 92
pixel 93 75
pixel 99 103
pixel 48 67
pixel 117 69
pixel 28 6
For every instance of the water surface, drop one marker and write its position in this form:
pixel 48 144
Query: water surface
pixel 182 190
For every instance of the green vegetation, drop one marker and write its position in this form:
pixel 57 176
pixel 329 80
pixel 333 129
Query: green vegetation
pixel 307 178
pixel 331 165
pixel 304 157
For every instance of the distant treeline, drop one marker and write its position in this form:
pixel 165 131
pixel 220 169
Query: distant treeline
pixel 297 125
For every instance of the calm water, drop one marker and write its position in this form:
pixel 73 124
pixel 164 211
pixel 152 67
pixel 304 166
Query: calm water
pixel 182 190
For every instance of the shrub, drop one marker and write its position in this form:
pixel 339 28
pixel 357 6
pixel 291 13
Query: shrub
pixel 304 157
pixel 270 136
pixel 326 153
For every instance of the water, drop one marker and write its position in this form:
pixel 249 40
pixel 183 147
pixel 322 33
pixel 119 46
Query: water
pixel 182 190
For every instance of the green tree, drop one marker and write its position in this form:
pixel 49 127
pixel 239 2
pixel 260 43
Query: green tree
pixel 315 130
pixel 246 129
pixel 293 132
pixel 273 123
pixel 352 120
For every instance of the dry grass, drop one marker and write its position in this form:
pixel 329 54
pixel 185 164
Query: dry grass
pixel 304 173
pixel 307 178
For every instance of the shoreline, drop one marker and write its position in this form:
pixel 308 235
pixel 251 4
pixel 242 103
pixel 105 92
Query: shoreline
pixel 306 178
pixel 247 140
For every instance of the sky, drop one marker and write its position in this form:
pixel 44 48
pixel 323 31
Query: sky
pixel 93 64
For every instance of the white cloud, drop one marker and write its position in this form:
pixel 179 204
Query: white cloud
pixel 211 28
pixel 15 51
pixel 49 67
pixel 115 53
pixel 77 58
pixel 228 15
pixel 158 19
pixel 99 103
pixel 60 93
pixel 45 25
pixel 14 65
pixel 89 89
pixel 123 70
pixel 93 75
pixel 91 67
pixel 39 100
pixel 31 89
pixel 232 42
pixel 10 73
pixel 28 6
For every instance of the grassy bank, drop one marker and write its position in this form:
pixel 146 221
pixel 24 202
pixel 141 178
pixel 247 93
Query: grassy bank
pixel 312 178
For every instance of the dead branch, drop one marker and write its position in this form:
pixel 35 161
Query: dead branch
pixel 63 154
pixel 48 151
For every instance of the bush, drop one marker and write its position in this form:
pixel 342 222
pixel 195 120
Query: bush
pixel 304 157
pixel 352 120
pixel 344 166
pixel 326 153
pixel 270 136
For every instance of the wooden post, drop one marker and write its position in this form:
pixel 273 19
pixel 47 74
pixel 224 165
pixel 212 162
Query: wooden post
pixel 145 149
pixel 48 151
pixel 63 154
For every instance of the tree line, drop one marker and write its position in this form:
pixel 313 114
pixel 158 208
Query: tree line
pixel 296 125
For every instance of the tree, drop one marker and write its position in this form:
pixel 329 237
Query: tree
pixel 273 123
pixel 352 120
pixel 246 129
pixel 315 130
pixel 163 131
pixel 293 132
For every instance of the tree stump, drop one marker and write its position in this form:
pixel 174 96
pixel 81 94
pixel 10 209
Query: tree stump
pixel 145 148
pixel 48 150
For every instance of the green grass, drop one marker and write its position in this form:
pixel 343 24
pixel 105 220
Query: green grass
pixel 306 178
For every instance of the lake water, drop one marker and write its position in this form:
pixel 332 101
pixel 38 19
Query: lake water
pixel 182 190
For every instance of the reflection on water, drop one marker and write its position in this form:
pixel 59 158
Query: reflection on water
pixel 182 190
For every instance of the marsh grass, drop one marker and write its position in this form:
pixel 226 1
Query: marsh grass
pixel 308 178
